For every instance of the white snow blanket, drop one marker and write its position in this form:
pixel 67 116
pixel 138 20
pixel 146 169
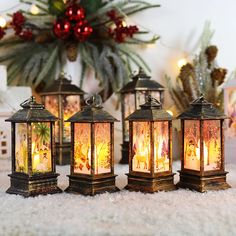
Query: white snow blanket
pixel 180 212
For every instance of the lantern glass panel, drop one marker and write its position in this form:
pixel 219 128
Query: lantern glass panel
pixel 212 144
pixel 231 110
pixel 41 147
pixel 102 150
pixel 192 144
pixel 82 148
pixel 129 107
pixel 141 149
pixel 161 146
pixel 141 96
pixel 21 148
pixel 51 104
pixel 71 105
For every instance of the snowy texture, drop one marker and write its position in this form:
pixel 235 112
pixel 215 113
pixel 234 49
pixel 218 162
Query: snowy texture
pixel 180 212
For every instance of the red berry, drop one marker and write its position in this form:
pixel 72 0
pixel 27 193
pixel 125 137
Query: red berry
pixel 62 29
pixel 82 31
pixel 75 12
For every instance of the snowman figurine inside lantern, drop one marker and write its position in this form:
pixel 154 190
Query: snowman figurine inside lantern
pixel 133 94
pixel 33 155
pixel 150 160
pixel 92 152
pixel 63 99
pixel 203 162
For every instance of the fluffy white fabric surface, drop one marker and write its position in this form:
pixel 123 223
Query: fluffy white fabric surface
pixel 180 212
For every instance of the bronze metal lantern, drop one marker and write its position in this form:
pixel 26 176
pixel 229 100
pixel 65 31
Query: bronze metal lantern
pixel 33 155
pixel 133 94
pixel 63 100
pixel 92 152
pixel 150 154
pixel 202 164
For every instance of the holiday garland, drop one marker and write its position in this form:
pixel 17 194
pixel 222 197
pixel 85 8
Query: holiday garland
pixel 35 46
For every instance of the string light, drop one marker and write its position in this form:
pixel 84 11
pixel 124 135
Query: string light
pixel 181 62
pixel 3 22
pixel 34 9
pixel 170 112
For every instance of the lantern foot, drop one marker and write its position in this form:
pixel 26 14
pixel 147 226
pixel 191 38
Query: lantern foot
pixel 124 153
pixel 211 181
pixel 63 153
pixel 91 186
pixel 151 184
pixel 29 186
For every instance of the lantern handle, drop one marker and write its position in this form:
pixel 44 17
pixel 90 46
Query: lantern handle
pixel 94 100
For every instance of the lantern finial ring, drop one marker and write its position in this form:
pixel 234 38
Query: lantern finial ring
pixel 94 100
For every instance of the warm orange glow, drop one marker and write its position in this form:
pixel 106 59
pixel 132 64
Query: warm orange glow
pixel 161 146
pixel 41 147
pixel 21 148
pixel 181 62
pixel 82 148
pixel 102 154
pixel 212 145
pixel 141 147
pixel 192 144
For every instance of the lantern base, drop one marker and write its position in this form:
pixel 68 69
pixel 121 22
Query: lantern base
pixel 91 186
pixel 125 153
pixel 29 186
pixel 151 184
pixel 211 181
pixel 63 152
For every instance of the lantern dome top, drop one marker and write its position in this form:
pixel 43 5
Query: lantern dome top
pixel 201 109
pixel 62 86
pixel 32 112
pixel 141 81
pixel 151 110
pixel 92 112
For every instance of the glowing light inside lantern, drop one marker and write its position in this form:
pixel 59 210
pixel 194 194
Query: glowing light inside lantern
pixel 41 147
pixel 181 62
pixel 161 146
pixel 34 9
pixel 82 148
pixel 141 147
pixel 21 148
pixel 3 22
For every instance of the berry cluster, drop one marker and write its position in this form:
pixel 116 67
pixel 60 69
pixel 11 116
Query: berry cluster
pixel 120 32
pixel 18 24
pixel 73 23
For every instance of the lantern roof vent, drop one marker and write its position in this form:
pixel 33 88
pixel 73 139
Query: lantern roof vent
pixel 141 82
pixel 201 109
pixel 92 112
pixel 151 110
pixel 32 112
pixel 62 86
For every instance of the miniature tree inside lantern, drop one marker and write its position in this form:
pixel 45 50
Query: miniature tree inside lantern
pixel 150 161
pixel 92 159
pixel 202 165
pixel 33 165
pixel 63 99
pixel 133 94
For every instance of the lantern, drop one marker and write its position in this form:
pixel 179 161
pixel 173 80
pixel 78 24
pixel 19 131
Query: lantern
pixel 133 94
pixel 92 159
pixel 150 154
pixel 63 100
pixel 203 164
pixel 33 165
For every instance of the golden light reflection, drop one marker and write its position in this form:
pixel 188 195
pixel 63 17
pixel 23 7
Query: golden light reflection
pixel 141 147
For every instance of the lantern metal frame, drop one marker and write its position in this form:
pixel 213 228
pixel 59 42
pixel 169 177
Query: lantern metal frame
pixel 60 88
pixel 32 184
pixel 151 182
pixel 91 184
pixel 140 82
pixel 202 180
